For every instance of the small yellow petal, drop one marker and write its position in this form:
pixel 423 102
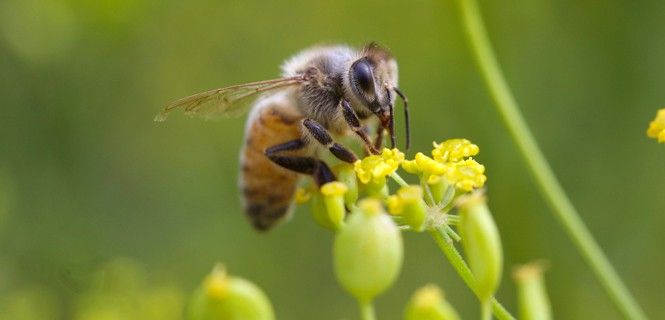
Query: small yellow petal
pixel 429 165
pixel 411 166
pixel 454 150
pixel 334 188
pixel 377 167
pixel 466 174
pixel 657 127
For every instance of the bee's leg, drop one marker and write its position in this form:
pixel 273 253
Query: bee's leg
pixel 321 135
pixel 378 143
pixel 305 165
pixel 353 122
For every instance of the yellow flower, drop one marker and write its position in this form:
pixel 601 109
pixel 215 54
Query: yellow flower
pixel 657 127
pixel 466 174
pixel 424 166
pixel 375 168
pixel 454 150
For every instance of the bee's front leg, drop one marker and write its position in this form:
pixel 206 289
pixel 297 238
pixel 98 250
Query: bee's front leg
pixel 352 120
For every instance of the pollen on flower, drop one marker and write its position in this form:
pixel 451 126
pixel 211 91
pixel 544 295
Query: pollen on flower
pixel 454 150
pixel 656 128
pixel 302 196
pixel 377 167
pixel 466 174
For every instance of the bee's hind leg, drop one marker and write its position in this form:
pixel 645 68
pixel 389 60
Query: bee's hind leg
pixel 318 169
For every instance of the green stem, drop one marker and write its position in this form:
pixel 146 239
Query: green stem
pixel 464 272
pixel 367 311
pixel 486 310
pixel 540 169
pixel 399 179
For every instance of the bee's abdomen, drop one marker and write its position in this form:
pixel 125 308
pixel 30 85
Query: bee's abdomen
pixel 268 189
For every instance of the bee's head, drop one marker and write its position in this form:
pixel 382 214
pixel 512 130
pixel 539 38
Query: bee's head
pixel 373 82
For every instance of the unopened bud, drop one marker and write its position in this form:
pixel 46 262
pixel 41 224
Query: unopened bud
pixel 413 207
pixel 368 251
pixel 321 205
pixel 428 303
pixel 531 292
pixel 225 297
pixel 333 198
pixel 347 175
pixel 482 245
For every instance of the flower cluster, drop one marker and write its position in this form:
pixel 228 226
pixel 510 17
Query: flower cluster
pixel 452 161
pixel 366 216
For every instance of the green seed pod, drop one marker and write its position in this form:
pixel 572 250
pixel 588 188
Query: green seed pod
pixel 333 198
pixel 222 297
pixel 368 251
pixel 347 175
pixel 438 187
pixel 328 205
pixel 414 207
pixel 531 292
pixel 428 303
pixel 482 245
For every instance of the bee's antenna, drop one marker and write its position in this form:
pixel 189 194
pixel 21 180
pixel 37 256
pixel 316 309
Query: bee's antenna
pixel 406 116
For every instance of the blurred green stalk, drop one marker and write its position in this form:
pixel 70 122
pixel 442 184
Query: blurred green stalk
pixel 540 169
pixel 455 258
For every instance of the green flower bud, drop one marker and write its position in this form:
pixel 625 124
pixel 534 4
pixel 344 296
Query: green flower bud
pixel 531 292
pixel 411 206
pixel 481 242
pixel 438 186
pixel 368 251
pixel 347 175
pixel 333 198
pixel 428 303
pixel 328 205
pixel 225 297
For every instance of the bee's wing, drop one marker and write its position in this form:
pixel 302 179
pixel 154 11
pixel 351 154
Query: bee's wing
pixel 225 102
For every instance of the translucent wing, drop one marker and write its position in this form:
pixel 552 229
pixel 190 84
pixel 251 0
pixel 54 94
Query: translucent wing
pixel 225 102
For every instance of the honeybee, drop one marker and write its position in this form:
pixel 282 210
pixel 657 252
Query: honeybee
pixel 325 92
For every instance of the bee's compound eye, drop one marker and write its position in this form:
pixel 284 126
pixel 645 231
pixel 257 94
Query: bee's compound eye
pixel 362 74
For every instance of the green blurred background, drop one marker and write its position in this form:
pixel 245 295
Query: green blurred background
pixel 97 200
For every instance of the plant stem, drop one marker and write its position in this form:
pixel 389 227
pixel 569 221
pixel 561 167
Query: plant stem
pixel 464 272
pixel 540 169
pixel 367 310
pixel 486 310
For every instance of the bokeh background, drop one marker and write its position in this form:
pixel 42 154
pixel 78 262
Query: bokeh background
pixel 104 212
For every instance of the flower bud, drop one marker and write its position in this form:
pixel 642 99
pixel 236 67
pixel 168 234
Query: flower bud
pixel 368 251
pixel 347 175
pixel 481 242
pixel 225 297
pixel 320 212
pixel 411 206
pixel 333 199
pixel 428 303
pixel 531 292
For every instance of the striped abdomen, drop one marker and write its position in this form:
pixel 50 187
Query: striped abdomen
pixel 268 189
